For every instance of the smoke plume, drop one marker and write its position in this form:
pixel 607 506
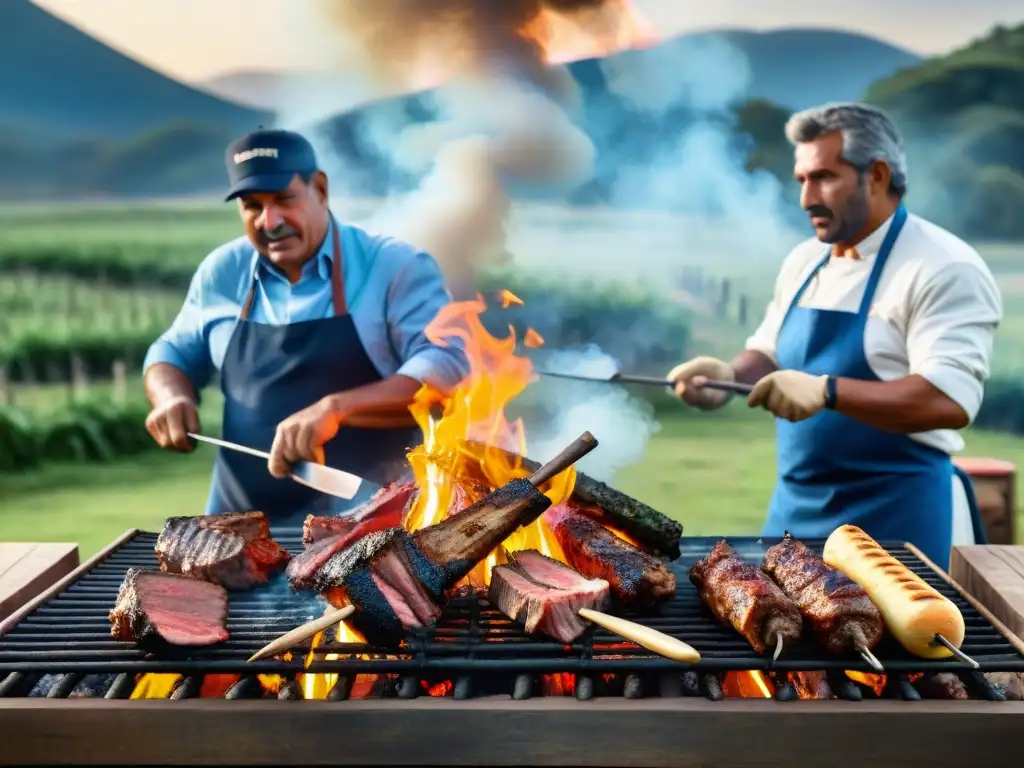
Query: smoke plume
pixel 658 136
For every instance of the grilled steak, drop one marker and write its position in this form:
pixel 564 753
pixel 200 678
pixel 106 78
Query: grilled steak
pixel 744 597
pixel 839 610
pixel 233 550
pixel 637 580
pixel 302 569
pixel 388 503
pixel 155 608
pixel 545 596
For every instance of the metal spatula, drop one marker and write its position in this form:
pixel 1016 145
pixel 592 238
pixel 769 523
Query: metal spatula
pixel 327 480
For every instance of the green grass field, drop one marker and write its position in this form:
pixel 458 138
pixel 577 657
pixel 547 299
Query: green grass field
pixel 712 472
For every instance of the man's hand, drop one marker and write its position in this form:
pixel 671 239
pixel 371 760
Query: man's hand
pixel 688 377
pixel 790 395
pixel 302 435
pixel 171 420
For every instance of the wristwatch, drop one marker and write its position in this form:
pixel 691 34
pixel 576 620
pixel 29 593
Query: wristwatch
pixel 830 392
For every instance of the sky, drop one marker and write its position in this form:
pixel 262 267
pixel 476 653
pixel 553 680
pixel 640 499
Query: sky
pixel 195 40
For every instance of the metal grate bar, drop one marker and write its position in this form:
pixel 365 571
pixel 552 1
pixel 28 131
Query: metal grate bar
pixel 70 634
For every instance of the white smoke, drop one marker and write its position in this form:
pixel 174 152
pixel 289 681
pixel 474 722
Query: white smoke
pixel 495 130
pixel 622 424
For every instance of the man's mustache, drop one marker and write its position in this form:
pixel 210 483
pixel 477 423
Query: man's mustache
pixel 278 233
pixel 819 211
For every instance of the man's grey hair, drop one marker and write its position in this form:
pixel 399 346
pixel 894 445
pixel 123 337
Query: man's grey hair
pixel 868 135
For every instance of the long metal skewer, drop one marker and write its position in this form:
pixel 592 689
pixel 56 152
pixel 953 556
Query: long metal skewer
pixel 940 640
pixel 871 659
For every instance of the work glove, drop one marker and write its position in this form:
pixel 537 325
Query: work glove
pixel 689 375
pixel 790 395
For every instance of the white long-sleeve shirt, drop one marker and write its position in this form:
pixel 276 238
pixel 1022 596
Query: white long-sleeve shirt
pixel 935 311
pixel 934 314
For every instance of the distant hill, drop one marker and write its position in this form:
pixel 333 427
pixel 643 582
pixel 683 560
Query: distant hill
pixel 963 118
pixel 59 81
pixel 795 68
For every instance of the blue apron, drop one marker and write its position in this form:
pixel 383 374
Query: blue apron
pixel 272 371
pixel 834 470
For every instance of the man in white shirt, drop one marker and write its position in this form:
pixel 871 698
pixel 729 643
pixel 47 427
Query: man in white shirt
pixel 873 352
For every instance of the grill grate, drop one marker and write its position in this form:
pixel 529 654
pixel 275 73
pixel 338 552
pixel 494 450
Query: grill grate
pixel 70 633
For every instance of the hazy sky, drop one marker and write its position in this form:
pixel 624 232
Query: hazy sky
pixel 197 39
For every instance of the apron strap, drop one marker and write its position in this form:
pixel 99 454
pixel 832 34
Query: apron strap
pixel 977 523
pixel 337 280
pixel 898 220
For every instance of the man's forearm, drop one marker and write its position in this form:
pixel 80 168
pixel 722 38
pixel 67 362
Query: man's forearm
pixel 904 406
pixel 380 405
pixel 750 366
pixel 164 382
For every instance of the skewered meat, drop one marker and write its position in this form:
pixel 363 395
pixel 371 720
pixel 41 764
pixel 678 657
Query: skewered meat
pixel 233 550
pixel 155 608
pixel 743 597
pixel 840 613
pixel 545 595
pixel 303 567
pixel 651 529
pixel 389 503
pixel 636 579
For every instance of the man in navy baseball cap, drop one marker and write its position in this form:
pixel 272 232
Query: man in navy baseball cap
pixel 268 161
pixel 318 329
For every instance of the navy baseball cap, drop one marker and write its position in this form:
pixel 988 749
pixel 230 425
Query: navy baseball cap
pixel 266 161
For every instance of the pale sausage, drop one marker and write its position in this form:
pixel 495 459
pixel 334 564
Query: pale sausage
pixel 913 611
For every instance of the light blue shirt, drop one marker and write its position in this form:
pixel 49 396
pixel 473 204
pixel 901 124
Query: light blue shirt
pixel 392 289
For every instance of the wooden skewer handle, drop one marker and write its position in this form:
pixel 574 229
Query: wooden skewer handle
pixel 307 630
pixel 572 453
pixel 651 639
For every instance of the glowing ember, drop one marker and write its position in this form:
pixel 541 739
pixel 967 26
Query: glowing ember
pixel 874 682
pixel 155 686
pixel 747 685
pixel 317 686
pixel 452 474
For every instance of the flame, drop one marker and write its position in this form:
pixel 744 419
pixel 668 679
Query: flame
pixel 451 473
pixel 317 686
pixel 875 682
pixel 751 684
pixel 613 26
pixel 155 686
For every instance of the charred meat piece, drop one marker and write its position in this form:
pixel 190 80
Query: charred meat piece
pixel 302 569
pixel 545 596
pixel 385 577
pixel 461 541
pixel 388 503
pixel 155 609
pixel 233 550
pixel 840 613
pixel 745 598
pixel 637 580
pixel 650 528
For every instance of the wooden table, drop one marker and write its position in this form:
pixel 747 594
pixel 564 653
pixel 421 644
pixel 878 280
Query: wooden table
pixel 28 568
pixel 994 576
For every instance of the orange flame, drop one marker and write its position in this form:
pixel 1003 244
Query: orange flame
pixel 614 26
pixel 751 684
pixel 450 472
